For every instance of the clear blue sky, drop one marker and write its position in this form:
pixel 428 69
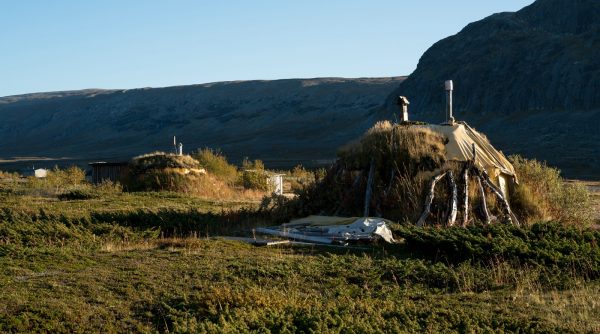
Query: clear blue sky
pixel 64 45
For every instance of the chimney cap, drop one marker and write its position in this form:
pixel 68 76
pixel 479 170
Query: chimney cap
pixel 402 101
pixel 449 85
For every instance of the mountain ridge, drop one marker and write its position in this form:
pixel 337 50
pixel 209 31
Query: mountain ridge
pixel 267 119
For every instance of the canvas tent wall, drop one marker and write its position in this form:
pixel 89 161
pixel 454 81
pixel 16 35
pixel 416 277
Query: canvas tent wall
pixel 461 138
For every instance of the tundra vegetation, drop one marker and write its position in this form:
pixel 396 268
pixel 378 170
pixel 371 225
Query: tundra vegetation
pixel 76 257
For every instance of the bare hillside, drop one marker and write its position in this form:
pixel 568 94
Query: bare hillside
pixel 295 120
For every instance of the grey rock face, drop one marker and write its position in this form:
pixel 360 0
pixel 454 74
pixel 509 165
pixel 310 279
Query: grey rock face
pixel 510 68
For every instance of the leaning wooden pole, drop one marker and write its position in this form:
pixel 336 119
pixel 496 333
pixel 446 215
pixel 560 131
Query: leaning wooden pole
pixel 453 208
pixel 484 209
pixel 369 188
pixel 510 216
pixel 429 199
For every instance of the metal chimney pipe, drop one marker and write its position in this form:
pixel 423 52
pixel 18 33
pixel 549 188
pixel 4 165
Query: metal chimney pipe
pixel 403 103
pixel 449 86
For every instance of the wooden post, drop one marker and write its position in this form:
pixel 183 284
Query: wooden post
pixel 369 188
pixel 451 219
pixel 465 177
pixel 484 209
pixel 510 216
pixel 429 199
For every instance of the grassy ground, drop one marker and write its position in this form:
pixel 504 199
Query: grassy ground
pixel 117 202
pixel 594 187
pixel 216 286
pixel 142 263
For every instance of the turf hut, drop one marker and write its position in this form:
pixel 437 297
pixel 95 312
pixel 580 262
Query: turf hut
pixel 442 174
pixel 161 171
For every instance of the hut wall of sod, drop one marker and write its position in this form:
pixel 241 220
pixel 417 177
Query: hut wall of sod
pixel 110 171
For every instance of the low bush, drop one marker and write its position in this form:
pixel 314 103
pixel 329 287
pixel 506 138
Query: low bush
pixel 216 163
pixel 57 181
pixel 542 194
pixel 254 175
pixel 300 178
pixel 561 250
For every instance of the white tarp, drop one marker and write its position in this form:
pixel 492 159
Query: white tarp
pixel 328 230
pixel 461 138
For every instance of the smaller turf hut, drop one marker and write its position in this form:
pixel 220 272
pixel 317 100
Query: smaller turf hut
pixel 160 171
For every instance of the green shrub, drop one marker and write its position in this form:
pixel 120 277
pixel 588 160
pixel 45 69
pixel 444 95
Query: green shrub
pixel 300 179
pixel 549 246
pixel 542 194
pixel 216 163
pixel 255 179
pixel 57 181
pixel 254 175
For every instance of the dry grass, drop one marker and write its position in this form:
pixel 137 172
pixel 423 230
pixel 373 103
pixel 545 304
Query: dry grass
pixel 407 148
pixel 543 194
pixel 209 187
pixel 160 160
pixel 402 157
pixel 579 306
pixel 186 245
pixel 216 163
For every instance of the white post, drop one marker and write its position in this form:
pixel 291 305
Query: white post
pixel 449 86
pixel 180 151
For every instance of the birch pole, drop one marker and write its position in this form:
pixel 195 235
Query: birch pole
pixel 465 177
pixel 429 199
pixel 510 216
pixel 453 200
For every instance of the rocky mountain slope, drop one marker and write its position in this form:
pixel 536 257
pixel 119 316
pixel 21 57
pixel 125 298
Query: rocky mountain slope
pixel 282 122
pixel 530 80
